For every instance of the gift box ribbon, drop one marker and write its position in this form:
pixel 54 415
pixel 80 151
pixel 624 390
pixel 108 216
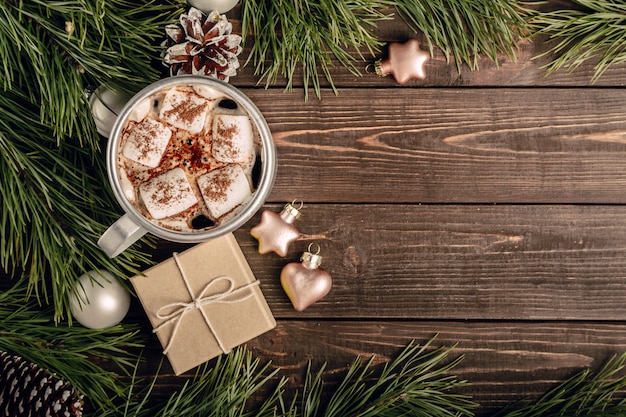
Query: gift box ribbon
pixel 173 313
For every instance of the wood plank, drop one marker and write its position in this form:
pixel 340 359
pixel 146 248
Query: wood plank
pixel 504 362
pixel 528 69
pixel 450 145
pixel 456 262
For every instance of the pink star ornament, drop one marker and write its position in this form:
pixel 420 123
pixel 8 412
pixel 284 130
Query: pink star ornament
pixel 276 232
pixel 406 62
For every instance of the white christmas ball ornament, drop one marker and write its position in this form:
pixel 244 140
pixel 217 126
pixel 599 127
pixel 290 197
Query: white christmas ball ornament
pixel 99 301
pixel 220 6
pixel 105 105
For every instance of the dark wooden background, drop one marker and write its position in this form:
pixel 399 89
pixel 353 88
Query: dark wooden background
pixel 483 206
pixel 486 207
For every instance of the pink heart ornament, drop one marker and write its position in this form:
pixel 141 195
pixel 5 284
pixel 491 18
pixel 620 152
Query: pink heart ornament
pixel 305 283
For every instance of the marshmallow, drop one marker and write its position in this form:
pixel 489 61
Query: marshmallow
pixel 127 187
pixel 224 189
pixel 185 110
pixel 168 194
pixel 146 142
pixel 232 138
pixel 141 110
pixel 207 92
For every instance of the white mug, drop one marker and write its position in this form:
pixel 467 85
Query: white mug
pixel 133 224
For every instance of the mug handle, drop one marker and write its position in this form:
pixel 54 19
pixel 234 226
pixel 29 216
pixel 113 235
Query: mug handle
pixel 120 235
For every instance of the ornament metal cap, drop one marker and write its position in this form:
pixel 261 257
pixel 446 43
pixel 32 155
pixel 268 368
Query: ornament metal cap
pixel 378 69
pixel 313 259
pixel 292 210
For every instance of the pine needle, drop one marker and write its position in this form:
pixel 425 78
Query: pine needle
pixel 220 388
pixel 70 352
pixel 54 191
pixel 586 394
pixel 415 383
pixel 52 50
pixel 291 35
pixel 54 207
pixel 596 33
pixel 467 29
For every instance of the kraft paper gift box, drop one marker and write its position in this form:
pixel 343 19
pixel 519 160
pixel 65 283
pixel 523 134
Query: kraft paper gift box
pixel 203 302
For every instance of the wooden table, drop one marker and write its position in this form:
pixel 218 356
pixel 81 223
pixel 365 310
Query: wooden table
pixel 485 207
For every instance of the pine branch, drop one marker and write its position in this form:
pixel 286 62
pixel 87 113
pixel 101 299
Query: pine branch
pixel 415 383
pixel 584 394
pixel 66 45
pixel 598 32
pixel 54 207
pixel 55 199
pixel 303 34
pixel 221 389
pixel 465 30
pixel 71 352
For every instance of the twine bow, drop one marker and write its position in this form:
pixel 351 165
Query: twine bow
pixel 173 313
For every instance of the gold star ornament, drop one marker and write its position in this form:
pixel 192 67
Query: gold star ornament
pixel 405 62
pixel 275 232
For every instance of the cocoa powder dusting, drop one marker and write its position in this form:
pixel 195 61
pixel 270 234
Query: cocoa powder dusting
pixel 143 132
pixel 218 189
pixel 225 135
pixel 165 192
pixel 186 110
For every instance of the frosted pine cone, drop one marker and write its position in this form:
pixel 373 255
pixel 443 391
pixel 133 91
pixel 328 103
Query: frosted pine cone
pixel 202 45
pixel 27 390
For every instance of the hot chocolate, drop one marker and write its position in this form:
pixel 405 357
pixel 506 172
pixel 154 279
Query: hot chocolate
pixel 187 156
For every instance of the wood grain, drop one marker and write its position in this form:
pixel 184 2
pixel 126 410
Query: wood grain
pixel 493 262
pixel 450 145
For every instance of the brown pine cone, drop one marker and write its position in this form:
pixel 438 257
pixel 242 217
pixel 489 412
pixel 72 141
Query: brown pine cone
pixel 202 45
pixel 28 390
